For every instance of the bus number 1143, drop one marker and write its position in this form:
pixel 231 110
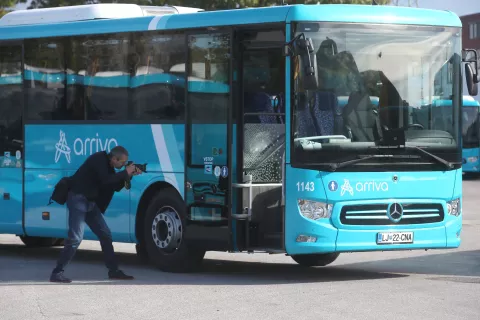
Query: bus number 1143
pixel 305 186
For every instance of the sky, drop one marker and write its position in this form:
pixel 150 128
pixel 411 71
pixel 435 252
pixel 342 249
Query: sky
pixel 459 7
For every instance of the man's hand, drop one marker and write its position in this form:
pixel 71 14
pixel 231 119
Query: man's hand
pixel 137 172
pixel 131 169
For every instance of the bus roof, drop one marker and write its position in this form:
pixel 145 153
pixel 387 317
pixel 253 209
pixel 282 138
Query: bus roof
pixel 103 18
pixel 88 12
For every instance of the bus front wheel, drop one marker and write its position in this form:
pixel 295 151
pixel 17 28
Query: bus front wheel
pixel 315 260
pixel 164 228
pixel 142 253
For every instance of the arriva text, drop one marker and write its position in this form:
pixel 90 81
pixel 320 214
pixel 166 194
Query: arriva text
pixel 371 186
pixel 367 186
pixel 92 145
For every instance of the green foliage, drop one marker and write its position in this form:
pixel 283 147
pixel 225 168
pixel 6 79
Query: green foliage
pixel 4 4
pixel 7 3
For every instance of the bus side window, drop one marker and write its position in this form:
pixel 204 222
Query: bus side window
pixel 11 98
pixel 158 85
pixel 75 93
pixel 44 79
pixel 107 77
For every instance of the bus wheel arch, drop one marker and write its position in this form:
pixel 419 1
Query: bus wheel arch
pixel 150 193
pixel 163 235
pixel 315 260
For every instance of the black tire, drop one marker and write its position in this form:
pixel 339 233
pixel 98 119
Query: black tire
pixel 38 241
pixel 163 234
pixel 59 242
pixel 315 260
pixel 142 253
pixel 471 175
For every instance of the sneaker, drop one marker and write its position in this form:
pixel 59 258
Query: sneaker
pixel 119 275
pixel 59 277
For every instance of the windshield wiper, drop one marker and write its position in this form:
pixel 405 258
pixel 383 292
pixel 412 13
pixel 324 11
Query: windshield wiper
pixel 447 164
pixel 359 158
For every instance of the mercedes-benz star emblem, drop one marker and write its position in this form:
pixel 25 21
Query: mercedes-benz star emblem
pixel 395 212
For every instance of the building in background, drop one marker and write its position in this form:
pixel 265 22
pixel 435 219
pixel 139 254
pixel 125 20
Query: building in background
pixel 471 31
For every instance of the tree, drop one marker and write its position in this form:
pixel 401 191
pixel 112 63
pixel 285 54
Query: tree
pixel 6 4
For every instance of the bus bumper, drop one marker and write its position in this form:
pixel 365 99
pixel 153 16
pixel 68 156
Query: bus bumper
pixel 422 238
pixel 322 237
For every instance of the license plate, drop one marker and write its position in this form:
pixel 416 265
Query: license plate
pixel 394 237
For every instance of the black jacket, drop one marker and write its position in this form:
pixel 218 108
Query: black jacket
pixel 97 181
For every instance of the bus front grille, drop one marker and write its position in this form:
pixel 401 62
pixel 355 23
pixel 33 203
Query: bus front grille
pixel 376 214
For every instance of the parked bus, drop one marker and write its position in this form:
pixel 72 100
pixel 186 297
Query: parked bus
pixel 441 115
pixel 303 129
pixel 470 135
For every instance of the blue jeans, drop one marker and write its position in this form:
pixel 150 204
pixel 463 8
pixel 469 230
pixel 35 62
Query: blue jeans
pixel 82 211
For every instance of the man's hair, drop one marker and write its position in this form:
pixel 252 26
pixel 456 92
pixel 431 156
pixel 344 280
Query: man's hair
pixel 118 152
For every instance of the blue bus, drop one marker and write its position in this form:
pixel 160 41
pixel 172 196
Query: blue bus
pixel 470 135
pixel 441 115
pixel 305 130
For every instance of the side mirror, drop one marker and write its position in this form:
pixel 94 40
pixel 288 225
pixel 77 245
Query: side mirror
pixel 308 62
pixel 471 72
pixel 472 80
pixel 303 47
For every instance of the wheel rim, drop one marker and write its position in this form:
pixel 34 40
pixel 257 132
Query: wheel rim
pixel 167 230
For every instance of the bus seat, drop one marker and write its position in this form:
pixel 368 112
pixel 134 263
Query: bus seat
pixel 360 117
pixel 304 119
pixel 279 105
pixel 259 102
pixel 324 104
pixel 338 123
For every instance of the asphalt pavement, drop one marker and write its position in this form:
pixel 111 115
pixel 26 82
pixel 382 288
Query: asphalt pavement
pixel 434 284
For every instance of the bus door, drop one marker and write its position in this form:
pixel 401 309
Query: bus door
pixel 260 134
pixel 11 138
pixel 208 136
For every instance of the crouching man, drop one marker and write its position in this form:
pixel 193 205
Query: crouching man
pixel 91 189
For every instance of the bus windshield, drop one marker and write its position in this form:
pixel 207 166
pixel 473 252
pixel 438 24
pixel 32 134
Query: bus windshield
pixel 470 127
pixel 377 85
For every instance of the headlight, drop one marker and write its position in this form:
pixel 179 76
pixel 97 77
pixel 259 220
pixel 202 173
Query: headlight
pixel 453 207
pixel 472 159
pixel 314 210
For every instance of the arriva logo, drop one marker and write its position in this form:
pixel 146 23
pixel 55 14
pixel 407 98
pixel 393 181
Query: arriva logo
pixel 371 186
pixel 346 187
pixel 367 186
pixel 83 147
pixel 62 148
